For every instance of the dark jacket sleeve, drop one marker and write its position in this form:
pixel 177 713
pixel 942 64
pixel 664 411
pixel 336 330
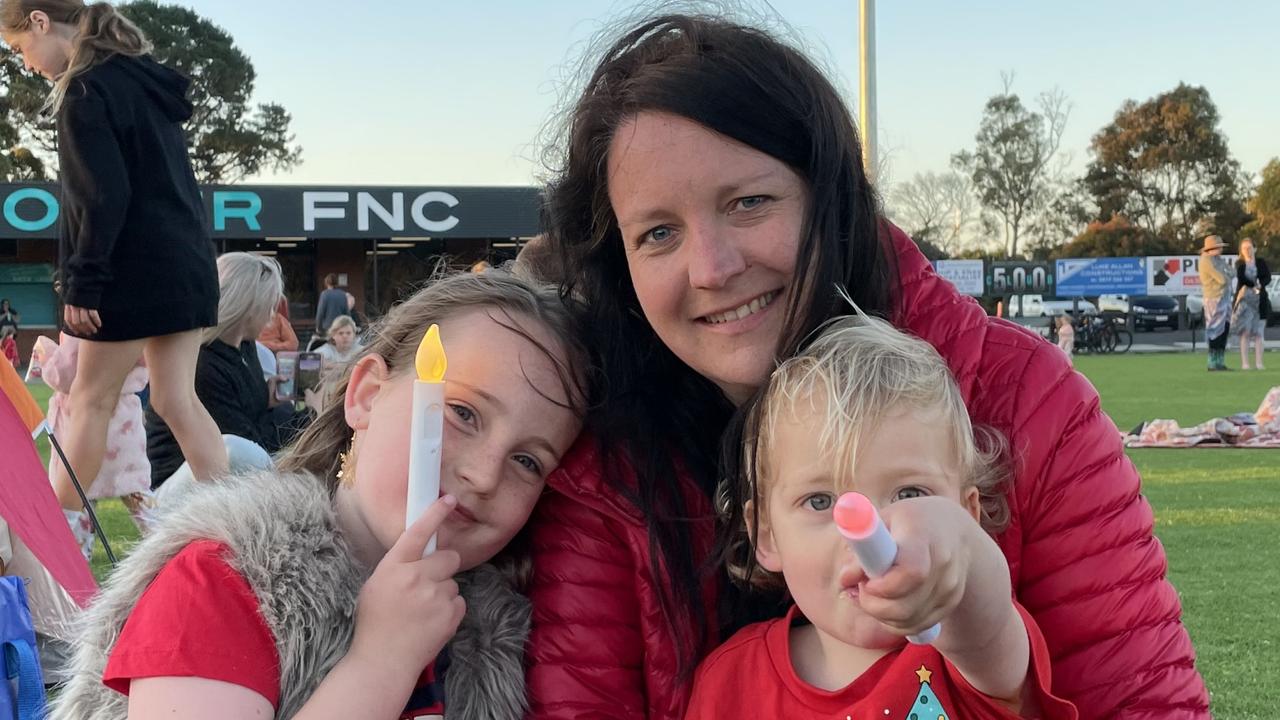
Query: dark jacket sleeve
pixel 1241 277
pixel 96 192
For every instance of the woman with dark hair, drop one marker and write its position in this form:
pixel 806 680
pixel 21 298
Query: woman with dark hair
pixel 9 317
pixel 710 211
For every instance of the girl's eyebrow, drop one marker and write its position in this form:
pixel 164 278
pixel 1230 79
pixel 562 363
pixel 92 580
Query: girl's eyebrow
pixel 483 395
pixel 545 445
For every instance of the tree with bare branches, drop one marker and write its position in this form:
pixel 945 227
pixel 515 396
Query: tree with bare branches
pixel 935 208
pixel 1012 162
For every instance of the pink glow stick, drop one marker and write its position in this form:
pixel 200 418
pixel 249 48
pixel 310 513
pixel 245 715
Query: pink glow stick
pixel 860 524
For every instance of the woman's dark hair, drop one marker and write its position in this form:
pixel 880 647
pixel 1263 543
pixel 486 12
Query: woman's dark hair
pixel 649 408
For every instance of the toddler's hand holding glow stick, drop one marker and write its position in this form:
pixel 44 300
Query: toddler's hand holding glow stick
pixel 857 520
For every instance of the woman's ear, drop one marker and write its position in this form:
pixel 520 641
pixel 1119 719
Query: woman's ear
pixel 369 375
pixel 762 538
pixel 39 21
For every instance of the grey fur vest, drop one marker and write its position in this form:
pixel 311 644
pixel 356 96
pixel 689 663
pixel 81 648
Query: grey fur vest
pixel 284 539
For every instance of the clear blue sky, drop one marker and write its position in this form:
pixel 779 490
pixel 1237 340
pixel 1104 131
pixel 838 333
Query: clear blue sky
pixel 449 93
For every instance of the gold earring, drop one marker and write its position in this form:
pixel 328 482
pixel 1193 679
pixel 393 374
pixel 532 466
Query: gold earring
pixel 347 465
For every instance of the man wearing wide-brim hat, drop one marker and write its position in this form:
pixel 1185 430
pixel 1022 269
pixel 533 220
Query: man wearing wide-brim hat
pixel 1215 279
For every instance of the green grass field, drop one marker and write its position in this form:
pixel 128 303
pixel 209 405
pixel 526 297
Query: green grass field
pixel 1217 513
pixel 111 513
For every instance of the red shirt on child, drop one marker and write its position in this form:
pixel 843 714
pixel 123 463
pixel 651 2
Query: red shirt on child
pixel 200 618
pixel 751 675
pixel 9 347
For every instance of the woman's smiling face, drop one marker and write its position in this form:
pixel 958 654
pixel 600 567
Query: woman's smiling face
pixel 711 229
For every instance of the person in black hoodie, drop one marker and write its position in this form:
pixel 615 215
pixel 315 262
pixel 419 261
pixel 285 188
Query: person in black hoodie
pixel 137 272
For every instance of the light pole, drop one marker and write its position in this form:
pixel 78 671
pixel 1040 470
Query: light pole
pixel 867 84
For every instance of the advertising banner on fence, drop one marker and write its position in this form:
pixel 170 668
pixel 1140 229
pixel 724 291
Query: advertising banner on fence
pixel 966 275
pixel 1178 274
pixel 1015 277
pixel 1101 276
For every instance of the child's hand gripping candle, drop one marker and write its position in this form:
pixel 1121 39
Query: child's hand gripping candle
pixel 860 524
pixel 426 430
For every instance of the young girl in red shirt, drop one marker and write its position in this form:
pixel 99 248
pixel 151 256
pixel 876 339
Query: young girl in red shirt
pixel 302 594
pixel 9 346
pixel 868 408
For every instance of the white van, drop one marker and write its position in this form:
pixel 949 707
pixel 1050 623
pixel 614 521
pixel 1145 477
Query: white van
pixel 1113 303
pixel 1038 306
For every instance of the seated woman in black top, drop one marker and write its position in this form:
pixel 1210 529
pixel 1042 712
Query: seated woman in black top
pixel 9 317
pixel 228 375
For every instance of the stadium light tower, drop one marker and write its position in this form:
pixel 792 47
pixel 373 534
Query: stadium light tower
pixel 867 84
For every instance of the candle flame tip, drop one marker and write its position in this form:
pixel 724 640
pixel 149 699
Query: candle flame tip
pixel 430 360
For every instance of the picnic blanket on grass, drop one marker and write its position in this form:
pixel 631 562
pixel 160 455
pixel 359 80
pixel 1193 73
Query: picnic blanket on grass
pixel 1260 429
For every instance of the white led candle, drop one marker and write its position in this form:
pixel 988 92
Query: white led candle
pixel 426 430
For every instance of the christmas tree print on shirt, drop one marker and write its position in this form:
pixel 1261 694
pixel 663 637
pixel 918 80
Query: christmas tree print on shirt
pixel 926 706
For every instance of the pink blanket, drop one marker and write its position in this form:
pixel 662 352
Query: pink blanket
pixel 1259 429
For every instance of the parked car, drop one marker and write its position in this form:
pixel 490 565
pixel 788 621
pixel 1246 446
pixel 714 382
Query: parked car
pixel 1195 305
pixel 1113 303
pixel 1273 296
pixel 1153 311
pixel 1040 306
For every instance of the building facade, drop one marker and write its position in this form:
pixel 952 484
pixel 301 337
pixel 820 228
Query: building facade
pixel 381 241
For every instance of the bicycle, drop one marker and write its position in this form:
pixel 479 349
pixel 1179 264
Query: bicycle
pixel 1122 338
pixel 1086 336
pixel 1098 335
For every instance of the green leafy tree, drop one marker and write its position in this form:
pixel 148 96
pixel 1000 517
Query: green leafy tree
pixel 20 158
pixel 17 163
pixel 1165 166
pixel 229 137
pixel 1117 237
pixel 1264 206
pixel 1011 166
pixel 1064 215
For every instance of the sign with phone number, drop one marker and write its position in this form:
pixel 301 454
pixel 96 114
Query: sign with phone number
pixel 1099 276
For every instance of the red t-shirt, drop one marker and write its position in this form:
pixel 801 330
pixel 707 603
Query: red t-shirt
pixel 751 675
pixel 200 618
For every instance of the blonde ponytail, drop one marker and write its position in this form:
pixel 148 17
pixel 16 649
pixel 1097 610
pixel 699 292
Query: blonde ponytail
pixel 101 31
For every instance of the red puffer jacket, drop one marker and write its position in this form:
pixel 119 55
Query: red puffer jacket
pixel 1080 544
